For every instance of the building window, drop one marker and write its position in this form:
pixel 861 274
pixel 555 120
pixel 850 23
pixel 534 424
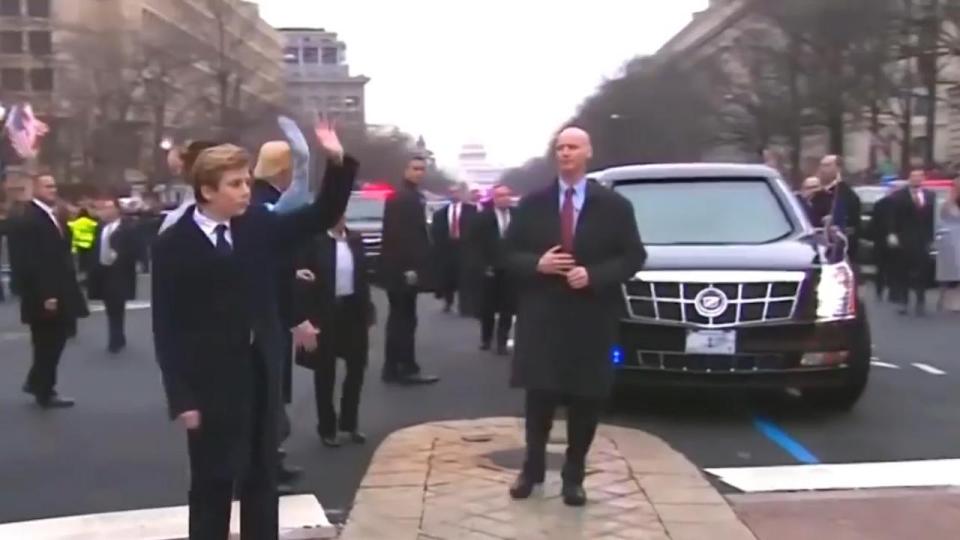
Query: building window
pixel 331 56
pixel 38 8
pixel 41 80
pixel 11 42
pixel 12 79
pixel 291 55
pixel 40 42
pixel 10 8
pixel 310 55
pixel 351 102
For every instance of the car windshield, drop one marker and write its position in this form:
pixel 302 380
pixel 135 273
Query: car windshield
pixel 365 209
pixel 707 211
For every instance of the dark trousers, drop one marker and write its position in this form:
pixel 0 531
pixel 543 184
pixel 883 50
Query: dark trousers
pixel 283 421
pixel 400 357
pixel 211 492
pixel 450 276
pixel 910 271
pixel 49 339
pixel 349 324
pixel 498 309
pixel 583 415
pixel 881 280
pixel 116 313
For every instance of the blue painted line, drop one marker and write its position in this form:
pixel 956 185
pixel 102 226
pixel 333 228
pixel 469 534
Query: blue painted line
pixel 784 440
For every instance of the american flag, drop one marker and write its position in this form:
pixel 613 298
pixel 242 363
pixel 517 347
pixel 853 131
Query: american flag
pixel 24 130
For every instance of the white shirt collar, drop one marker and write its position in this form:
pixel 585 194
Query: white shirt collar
pixel 209 226
pixel 43 206
pixel 338 237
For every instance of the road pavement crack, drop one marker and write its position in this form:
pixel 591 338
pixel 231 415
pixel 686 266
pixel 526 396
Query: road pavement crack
pixel 426 482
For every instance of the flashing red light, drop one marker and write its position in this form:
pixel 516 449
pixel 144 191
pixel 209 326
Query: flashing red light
pixel 377 190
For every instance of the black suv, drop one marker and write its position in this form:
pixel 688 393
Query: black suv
pixel 739 288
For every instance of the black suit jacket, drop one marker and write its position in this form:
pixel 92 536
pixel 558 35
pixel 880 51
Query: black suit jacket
pixel 564 336
pixel 913 226
pixel 406 241
pixel 119 280
pixel 43 268
pixel 208 309
pixel 316 301
pixel 440 226
pixel 486 240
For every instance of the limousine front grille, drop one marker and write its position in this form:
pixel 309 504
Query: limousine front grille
pixel 713 299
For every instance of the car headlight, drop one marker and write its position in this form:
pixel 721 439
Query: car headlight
pixel 836 292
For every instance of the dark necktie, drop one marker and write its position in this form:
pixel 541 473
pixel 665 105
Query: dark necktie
pixel 455 224
pixel 567 221
pixel 223 245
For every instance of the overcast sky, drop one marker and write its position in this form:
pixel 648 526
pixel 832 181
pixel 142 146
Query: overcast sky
pixel 504 73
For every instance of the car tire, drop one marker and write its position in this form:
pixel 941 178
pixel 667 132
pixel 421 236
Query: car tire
pixel 843 398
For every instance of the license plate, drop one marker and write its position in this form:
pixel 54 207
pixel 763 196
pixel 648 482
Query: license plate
pixel 712 342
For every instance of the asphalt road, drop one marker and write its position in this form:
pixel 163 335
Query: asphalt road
pixel 116 451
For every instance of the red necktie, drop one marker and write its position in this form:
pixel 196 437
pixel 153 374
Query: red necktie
pixel 455 224
pixel 567 221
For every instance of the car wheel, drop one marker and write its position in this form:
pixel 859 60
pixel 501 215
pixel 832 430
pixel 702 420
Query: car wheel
pixel 843 398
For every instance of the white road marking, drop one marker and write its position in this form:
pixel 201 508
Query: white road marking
pixel 929 473
pixel 301 517
pixel 883 364
pixel 97 307
pixel 929 369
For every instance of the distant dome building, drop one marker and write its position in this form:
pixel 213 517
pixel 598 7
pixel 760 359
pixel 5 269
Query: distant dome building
pixel 476 169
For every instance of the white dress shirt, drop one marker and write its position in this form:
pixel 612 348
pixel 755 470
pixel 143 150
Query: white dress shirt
pixel 49 211
pixel 108 255
pixel 503 220
pixel 209 227
pixel 343 275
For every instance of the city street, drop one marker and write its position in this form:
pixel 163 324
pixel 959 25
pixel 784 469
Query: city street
pixel 116 451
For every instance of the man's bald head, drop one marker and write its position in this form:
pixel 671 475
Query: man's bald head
pixel 573 150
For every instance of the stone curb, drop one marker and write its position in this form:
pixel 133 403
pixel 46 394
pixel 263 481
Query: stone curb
pixel 437 481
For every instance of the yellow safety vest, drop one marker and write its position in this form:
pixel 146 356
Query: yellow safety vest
pixel 83 230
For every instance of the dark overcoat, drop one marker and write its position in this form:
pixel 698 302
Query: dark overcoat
pixel 209 309
pixel 119 280
pixel 406 241
pixel 316 301
pixel 564 336
pixel 44 268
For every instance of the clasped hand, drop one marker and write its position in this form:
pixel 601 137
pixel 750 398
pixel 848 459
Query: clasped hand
pixel 556 262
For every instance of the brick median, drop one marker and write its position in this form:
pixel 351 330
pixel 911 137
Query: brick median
pixel 443 481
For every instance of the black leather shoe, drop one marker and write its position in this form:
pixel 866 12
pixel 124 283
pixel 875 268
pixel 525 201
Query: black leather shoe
pixel 502 350
pixel 522 488
pixel 574 495
pixel 284 490
pixel 289 474
pixel 355 437
pixel 331 441
pixel 485 346
pixel 417 379
pixel 27 390
pixel 56 402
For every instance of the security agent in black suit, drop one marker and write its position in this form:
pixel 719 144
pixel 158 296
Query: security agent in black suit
pixel 910 238
pixel 499 294
pixel 50 297
pixel 216 300
pixel 450 226
pixel 880 219
pixel 333 292
pixel 113 272
pixel 405 271
pixel 569 246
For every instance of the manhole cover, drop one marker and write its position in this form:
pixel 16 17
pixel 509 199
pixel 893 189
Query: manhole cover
pixel 513 459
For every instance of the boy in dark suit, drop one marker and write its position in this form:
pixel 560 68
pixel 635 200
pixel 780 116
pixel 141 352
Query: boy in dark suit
pixel 217 300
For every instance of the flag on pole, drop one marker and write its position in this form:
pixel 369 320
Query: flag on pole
pixel 24 130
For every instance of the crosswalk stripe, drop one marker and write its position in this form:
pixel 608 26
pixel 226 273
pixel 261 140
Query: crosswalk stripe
pixel 301 518
pixel 883 364
pixel 902 474
pixel 929 369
